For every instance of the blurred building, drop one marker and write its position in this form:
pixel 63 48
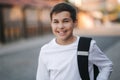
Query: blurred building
pixel 24 18
pixel 94 4
pixel 92 13
pixel 28 18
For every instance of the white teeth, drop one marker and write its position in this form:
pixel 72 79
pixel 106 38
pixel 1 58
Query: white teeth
pixel 61 33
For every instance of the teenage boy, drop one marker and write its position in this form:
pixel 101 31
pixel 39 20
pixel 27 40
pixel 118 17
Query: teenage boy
pixel 58 58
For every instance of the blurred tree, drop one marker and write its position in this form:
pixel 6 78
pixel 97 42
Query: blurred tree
pixel 114 15
pixel 66 1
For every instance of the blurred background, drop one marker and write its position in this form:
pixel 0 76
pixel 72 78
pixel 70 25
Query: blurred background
pixel 25 27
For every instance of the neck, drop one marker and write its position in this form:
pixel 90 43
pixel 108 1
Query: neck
pixel 66 42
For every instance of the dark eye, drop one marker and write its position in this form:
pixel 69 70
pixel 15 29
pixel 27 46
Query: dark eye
pixel 55 21
pixel 66 20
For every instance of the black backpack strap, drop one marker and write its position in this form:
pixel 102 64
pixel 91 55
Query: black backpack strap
pixel 96 71
pixel 82 57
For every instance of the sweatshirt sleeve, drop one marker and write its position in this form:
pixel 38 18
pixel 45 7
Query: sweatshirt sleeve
pixel 98 58
pixel 42 71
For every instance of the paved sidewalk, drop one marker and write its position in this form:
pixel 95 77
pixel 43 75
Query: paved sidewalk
pixel 19 60
pixel 114 54
pixel 24 44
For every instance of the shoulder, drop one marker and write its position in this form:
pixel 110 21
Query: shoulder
pixel 48 46
pixel 45 49
pixel 94 47
pixel 45 46
pixel 93 43
pixel 87 41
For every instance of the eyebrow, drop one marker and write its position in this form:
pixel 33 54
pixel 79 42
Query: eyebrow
pixel 63 19
pixel 66 19
pixel 55 20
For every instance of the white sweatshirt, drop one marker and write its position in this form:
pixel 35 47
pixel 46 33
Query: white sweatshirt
pixel 59 62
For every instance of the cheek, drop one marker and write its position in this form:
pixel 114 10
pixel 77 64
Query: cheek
pixel 70 26
pixel 53 27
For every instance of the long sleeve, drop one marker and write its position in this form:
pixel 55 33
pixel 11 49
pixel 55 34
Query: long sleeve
pixel 98 58
pixel 42 72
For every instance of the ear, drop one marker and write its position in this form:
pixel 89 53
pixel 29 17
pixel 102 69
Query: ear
pixel 75 23
pixel 51 23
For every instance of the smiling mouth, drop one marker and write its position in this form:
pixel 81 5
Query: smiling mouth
pixel 61 33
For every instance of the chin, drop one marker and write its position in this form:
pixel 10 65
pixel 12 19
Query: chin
pixel 63 38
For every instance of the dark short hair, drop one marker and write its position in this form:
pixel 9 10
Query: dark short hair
pixel 64 7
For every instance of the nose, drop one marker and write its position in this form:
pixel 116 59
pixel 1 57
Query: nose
pixel 61 25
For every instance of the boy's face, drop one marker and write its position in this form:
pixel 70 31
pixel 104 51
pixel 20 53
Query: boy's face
pixel 62 25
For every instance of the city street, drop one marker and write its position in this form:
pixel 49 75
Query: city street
pixel 18 61
pixel 25 26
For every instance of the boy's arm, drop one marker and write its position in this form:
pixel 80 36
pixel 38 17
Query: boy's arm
pixel 42 72
pixel 98 58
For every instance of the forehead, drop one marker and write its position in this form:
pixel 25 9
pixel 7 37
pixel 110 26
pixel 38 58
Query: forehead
pixel 61 15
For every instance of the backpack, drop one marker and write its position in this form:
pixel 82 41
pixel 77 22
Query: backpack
pixel 82 58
